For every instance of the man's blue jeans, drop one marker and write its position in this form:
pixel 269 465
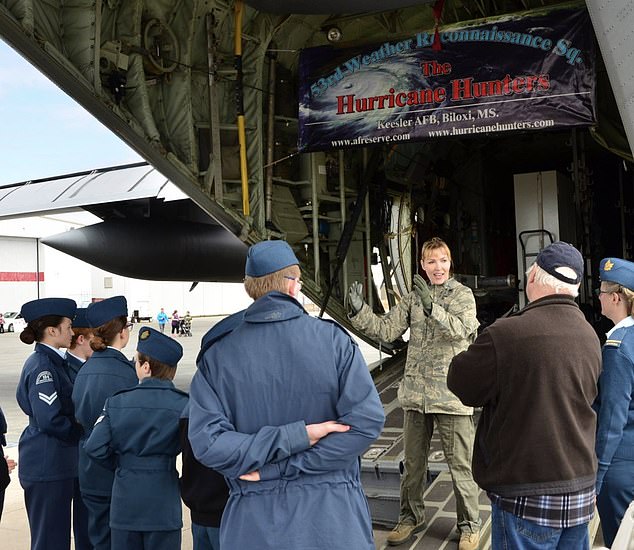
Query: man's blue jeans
pixel 509 532
pixel 205 538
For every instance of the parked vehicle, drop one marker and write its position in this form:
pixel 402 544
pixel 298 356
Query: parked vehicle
pixel 14 322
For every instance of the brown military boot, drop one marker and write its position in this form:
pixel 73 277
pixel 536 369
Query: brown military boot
pixel 403 532
pixel 469 541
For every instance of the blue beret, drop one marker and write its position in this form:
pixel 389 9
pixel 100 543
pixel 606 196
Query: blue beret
pixel 159 347
pixel 80 320
pixel 561 254
pixel 64 307
pixel 268 257
pixel 615 270
pixel 99 313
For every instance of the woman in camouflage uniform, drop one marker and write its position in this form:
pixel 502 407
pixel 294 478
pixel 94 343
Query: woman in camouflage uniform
pixel 442 322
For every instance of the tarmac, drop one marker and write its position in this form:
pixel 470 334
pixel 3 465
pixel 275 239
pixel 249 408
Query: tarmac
pixel 14 527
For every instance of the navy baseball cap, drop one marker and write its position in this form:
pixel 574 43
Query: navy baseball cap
pixel 159 346
pixel 36 309
pixel 268 257
pixel 560 254
pixel 616 270
pixel 99 313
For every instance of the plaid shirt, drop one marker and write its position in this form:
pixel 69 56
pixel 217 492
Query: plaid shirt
pixel 556 511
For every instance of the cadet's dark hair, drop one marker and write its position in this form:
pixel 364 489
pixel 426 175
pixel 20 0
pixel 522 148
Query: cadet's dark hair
pixel 106 333
pixel 77 332
pixel 34 331
pixel 159 370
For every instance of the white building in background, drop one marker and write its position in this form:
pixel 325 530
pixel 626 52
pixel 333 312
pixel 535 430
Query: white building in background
pixel 23 257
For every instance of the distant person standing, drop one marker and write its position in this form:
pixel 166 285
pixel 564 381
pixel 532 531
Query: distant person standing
pixel 535 374
pixel 105 373
pixel 176 322
pixel 162 319
pixel 48 445
pixel 6 464
pixel 282 406
pixel 139 429
pixel 77 354
pixel 615 402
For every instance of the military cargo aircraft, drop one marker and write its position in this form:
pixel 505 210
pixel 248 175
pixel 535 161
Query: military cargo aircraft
pixel 357 129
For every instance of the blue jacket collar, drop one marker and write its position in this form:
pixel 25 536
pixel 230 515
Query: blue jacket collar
pixel 55 357
pixel 272 307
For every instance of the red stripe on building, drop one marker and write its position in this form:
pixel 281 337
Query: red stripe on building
pixel 20 276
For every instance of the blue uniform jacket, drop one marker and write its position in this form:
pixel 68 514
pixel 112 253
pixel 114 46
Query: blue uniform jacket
pixel 615 404
pixel 72 366
pixel 255 390
pixel 48 445
pixel 105 373
pixel 140 427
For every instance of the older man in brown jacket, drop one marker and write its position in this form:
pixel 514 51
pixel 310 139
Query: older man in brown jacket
pixel 535 375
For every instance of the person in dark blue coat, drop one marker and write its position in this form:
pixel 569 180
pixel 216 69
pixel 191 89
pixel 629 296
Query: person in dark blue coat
pixel 105 373
pixel 283 405
pixel 139 427
pixel 615 402
pixel 79 350
pixel 204 490
pixel 6 464
pixel 48 445
pixel 77 354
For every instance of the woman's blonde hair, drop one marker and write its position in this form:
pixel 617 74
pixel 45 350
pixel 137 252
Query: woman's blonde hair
pixel 257 287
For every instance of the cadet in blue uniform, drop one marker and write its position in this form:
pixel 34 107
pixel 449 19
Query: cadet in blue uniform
pixel 79 351
pixel 105 373
pixel 77 354
pixel 48 445
pixel 266 406
pixel 140 427
pixel 615 403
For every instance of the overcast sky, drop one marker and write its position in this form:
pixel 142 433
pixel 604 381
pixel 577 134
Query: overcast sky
pixel 44 132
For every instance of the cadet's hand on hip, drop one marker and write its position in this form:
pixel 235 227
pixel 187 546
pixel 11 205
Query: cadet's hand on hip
pixel 354 298
pixel 422 290
pixel 317 431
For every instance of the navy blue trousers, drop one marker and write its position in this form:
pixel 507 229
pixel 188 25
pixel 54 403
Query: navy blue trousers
pixel 616 494
pixel 48 505
pixel 80 520
pixel 98 520
pixel 146 540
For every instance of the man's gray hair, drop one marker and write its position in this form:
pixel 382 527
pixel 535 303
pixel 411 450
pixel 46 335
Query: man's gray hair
pixel 546 279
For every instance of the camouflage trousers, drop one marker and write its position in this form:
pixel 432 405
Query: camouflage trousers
pixel 456 436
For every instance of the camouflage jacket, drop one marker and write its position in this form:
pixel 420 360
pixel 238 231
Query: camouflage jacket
pixel 434 341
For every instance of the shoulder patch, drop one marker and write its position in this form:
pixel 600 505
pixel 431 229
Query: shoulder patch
pixel 44 377
pixel 613 343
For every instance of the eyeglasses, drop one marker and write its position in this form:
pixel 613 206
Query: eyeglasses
pixel 598 291
pixel 129 326
pixel 296 279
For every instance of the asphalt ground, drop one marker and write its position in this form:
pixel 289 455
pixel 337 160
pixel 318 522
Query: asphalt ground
pixel 14 530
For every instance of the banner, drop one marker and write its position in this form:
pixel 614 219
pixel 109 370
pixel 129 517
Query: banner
pixel 516 73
